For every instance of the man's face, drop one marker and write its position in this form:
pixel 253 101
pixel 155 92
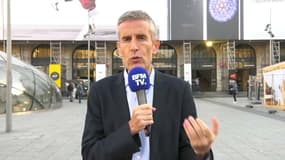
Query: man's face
pixel 136 45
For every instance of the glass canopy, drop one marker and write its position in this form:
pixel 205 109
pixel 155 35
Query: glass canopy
pixel 31 88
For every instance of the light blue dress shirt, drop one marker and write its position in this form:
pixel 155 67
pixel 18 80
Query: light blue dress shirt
pixel 144 152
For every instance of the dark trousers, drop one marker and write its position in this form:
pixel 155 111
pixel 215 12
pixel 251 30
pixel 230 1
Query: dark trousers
pixel 235 96
pixel 70 96
pixel 79 97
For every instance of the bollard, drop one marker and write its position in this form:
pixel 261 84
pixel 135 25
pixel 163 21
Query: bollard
pixel 249 90
pixel 258 91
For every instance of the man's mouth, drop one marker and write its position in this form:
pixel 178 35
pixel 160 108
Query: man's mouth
pixel 136 59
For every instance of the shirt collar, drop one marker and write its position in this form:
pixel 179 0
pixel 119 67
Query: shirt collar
pixel 151 77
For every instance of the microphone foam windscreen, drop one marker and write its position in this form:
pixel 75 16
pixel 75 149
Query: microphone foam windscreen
pixel 138 79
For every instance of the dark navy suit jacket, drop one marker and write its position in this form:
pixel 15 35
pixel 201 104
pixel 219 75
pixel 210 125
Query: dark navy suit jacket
pixel 107 134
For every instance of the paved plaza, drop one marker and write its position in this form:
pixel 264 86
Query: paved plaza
pixel 246 133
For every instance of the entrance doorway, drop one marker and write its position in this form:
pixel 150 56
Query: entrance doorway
pixel 203 61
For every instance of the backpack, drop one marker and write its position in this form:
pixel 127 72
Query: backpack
pixel 70 87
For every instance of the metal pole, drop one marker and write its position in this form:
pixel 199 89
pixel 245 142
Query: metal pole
pixel 88 64
pixel 9 73
pixel 270 51
pixel 3 25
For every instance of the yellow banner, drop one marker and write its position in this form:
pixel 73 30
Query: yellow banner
pixel 55 73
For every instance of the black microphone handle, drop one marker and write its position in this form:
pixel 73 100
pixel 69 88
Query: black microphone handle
pixel 141 96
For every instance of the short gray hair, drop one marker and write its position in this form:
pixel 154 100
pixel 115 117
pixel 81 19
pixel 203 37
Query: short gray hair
pixel 139 15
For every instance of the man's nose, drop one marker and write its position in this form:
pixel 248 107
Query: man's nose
pixel 134 44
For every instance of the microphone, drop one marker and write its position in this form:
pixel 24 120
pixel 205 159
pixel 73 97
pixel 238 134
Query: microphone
pixel 139 81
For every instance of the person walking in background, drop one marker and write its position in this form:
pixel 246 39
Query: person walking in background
pixel 234 89
pixel 197 83
pixel 70 88
pixel 79 89
pixel 115 123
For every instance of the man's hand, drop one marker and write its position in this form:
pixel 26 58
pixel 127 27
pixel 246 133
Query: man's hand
pixel 201 137
pixel 141 117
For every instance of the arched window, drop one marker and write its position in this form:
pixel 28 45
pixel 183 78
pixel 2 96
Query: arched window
pixel 166 59
pixel 80 62
pixel 117 64
pixel 203 63
pixel 203 58
pixel 245 56
pixel 41 55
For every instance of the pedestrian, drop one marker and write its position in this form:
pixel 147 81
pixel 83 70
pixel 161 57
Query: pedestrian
pixel 115 123
pixel 197 83
pixel 70 88
pixel 234 89
pixel 79 89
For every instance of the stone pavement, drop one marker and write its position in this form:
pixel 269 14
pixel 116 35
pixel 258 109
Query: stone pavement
pixel 44 135
pixel 245 133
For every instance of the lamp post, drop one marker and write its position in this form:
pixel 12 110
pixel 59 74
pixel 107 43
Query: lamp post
pixel 9 73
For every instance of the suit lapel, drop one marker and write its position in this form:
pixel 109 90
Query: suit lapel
pixel 120 99
pixel 160 91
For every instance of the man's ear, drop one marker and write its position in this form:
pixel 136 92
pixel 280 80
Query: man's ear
pixel 156 45
pixel 118 49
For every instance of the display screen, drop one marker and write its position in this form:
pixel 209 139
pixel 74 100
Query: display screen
pixel 222 19
pixel 186 20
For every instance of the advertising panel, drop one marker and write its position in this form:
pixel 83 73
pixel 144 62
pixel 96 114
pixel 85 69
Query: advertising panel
pixel 100 71
pixel 55 73
pixel 177 20
pixel 188 73
pixel 223 20
pixel 186 20
pixel 263 16
pixel 76 19
pixel 107 13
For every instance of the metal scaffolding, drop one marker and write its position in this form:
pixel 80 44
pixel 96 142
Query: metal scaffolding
pixel 274 52
pixel 187 52
pixel 55 52
pixel 101 52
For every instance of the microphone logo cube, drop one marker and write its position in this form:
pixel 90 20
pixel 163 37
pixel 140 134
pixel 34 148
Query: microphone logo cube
pixel 140 79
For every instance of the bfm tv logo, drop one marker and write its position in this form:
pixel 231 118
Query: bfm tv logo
pixel 140 79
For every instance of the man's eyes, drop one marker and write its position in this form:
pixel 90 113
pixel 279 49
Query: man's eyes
pixel 126 39
pixel 139 37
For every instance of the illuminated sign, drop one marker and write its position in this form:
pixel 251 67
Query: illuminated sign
pixel 223 10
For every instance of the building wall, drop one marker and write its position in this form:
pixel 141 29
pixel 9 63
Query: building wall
pixel 261 50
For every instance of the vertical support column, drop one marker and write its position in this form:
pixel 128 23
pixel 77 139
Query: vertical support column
pixel 231 55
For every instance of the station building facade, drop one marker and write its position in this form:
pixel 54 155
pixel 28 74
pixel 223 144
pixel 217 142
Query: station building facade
pixel 208 63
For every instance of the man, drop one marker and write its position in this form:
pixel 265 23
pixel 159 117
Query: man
pixel 79 89
pixel 114 125
pixel 70 88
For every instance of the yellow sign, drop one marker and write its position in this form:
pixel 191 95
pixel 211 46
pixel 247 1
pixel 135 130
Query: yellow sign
pixel 55 73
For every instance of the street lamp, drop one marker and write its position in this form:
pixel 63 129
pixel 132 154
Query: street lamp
pixel 9 72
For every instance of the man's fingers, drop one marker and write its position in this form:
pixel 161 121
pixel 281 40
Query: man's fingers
pixel 215 128
pixel 197 127
pixel 188 128
pixel 201 137
pixel 143 116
